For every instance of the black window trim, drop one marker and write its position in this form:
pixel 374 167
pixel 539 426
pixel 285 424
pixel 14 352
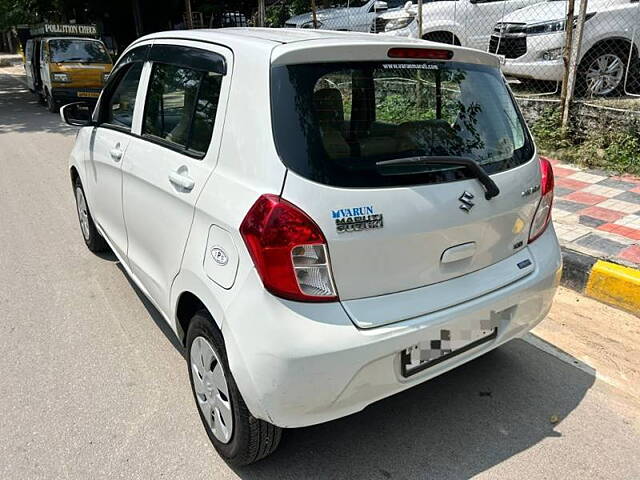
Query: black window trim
pixel 189 57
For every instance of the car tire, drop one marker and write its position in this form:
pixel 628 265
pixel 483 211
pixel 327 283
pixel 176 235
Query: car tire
pixel 241 439
pixel 90 234
pixel 595 61
pixel 52 105
pixel 41 99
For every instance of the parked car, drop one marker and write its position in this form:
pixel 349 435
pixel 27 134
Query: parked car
pixel 531 41
pixel 64 63
pixel 459 22
pixel 357 242
pixel 347 15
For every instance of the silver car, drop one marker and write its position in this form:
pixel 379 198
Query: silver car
pixel 352 15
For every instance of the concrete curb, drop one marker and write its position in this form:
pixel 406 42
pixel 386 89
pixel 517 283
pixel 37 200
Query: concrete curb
pixel 607 282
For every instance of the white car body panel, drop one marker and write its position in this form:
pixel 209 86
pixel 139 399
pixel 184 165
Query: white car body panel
pixel 420 224
pixel 155 243
pixel 103 182
pixel 319 368
pixel 301 363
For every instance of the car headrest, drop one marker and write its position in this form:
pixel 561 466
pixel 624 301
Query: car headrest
pixel 327 103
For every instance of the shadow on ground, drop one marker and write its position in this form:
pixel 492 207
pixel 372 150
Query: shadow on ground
pixel 454 426
pixel 20 111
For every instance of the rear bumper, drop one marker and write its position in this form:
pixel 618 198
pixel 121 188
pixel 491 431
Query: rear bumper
pixel 300 364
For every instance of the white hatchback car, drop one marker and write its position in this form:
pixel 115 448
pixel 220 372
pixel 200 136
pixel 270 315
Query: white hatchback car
pixel 323 218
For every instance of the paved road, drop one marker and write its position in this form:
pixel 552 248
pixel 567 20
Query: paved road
pixel 92 385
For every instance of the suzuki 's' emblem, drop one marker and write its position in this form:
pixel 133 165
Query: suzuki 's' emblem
pixel 466 204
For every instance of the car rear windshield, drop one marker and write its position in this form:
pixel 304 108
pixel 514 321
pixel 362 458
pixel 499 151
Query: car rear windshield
pixel 337 123
pixel 83 51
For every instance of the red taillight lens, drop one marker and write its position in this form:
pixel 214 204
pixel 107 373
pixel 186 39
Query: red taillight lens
pixel 542 218
pixel 288 250
pixel 421 53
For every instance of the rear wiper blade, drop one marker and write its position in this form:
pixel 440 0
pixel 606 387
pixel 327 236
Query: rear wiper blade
pixel 491 189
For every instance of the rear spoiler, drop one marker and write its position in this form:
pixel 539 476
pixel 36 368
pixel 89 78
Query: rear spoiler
pixel 368 47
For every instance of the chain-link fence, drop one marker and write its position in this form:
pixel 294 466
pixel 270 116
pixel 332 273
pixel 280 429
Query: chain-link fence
pixel 591 47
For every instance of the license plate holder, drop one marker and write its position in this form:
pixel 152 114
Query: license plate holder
pixel 88 94
pixel 415 359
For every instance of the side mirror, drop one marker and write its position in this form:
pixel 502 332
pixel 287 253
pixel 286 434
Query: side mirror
pixel 408 5
pixel 77 114
pixel 379 5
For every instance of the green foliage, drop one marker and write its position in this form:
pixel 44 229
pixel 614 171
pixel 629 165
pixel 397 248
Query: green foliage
pixel 16 12
pixel 277 14
pixel 604 148
pixel 397 108
pixel 280 12
pixel 548 132
pixel 302 6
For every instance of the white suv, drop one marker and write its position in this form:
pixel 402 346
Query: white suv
pixel 459 22
pixel 531 42
pixel 323 218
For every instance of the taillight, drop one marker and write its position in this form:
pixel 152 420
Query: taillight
pixel 420 53
pixel 288 250
pixel 542 218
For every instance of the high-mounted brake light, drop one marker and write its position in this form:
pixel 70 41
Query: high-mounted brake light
pixel 542 217
pixel 421 53
pixel 288 250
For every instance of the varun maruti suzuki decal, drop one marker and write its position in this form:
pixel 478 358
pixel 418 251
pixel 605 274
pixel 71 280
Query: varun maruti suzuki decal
pixel 356 219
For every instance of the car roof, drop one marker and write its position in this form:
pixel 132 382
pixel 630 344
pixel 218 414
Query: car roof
pixel 260 35
pixel 286 40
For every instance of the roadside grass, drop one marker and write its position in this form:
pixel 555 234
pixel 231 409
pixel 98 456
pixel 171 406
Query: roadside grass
pixel 606 148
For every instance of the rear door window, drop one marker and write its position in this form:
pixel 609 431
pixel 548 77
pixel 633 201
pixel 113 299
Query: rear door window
pixel 337 123
pixel 181 107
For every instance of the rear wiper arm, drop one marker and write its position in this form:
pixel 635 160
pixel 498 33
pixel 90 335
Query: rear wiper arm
pixel 491 189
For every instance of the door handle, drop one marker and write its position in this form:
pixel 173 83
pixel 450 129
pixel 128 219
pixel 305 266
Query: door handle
pixel 180 178
pixel 116 153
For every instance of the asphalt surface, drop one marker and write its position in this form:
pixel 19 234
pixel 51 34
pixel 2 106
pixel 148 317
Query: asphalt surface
pixel 92 384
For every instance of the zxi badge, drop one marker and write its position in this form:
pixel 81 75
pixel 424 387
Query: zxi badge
pixel 466 204
pixel 219 256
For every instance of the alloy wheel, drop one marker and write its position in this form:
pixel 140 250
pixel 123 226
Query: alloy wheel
pixel 211 389
pixel 604 74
